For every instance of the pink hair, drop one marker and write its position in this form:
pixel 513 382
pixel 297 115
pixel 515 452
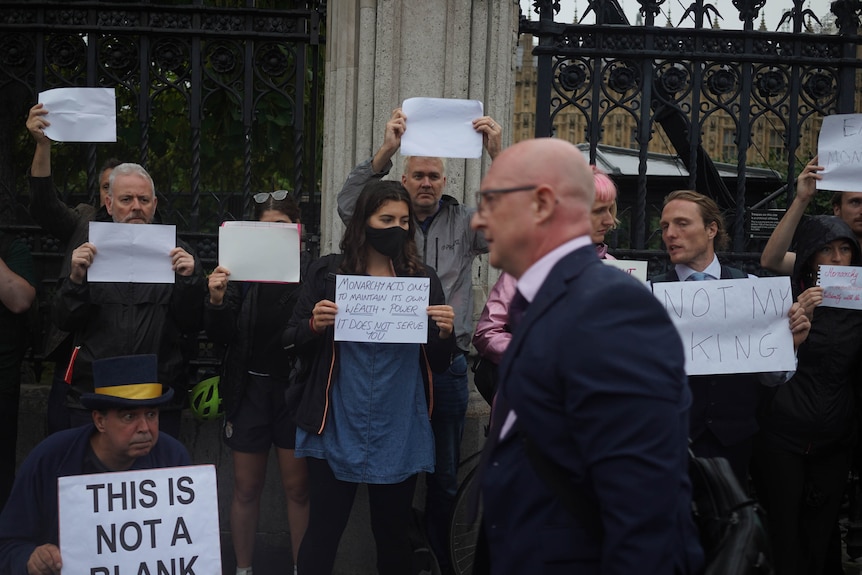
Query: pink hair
pixel 606 190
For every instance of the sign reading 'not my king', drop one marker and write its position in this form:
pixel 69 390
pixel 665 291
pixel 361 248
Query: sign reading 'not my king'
pixel 147 522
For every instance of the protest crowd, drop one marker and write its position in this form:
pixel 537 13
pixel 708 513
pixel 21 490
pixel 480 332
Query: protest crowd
pixel 354 367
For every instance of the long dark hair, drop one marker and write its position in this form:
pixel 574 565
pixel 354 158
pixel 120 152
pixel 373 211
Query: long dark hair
pixel 374 195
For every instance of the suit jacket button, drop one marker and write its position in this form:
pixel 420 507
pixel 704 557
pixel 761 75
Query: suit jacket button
pixel 496 464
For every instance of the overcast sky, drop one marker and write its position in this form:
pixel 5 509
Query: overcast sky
pixel 772 10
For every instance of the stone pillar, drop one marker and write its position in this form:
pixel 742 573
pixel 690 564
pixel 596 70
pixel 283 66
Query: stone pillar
pixel 379 53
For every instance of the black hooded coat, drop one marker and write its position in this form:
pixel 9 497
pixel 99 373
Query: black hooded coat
pixel 815 409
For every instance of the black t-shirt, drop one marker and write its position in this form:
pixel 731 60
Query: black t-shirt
pixel 274 308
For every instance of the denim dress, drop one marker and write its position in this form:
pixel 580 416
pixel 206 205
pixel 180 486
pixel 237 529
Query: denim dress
pixel 377 428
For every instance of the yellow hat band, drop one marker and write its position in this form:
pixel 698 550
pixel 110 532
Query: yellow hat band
pixel 133 391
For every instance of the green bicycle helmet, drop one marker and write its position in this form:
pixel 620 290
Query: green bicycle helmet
pixel 204 399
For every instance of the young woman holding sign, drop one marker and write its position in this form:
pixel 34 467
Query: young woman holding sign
pixel 808 426
pixel 364 408
pixel 249 319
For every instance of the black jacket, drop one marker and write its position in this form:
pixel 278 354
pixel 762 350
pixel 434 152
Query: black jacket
pixel 319 353
pixel 231 324
pixel 725 405
pixel 112 319
pixel 70 226
pixel 815 410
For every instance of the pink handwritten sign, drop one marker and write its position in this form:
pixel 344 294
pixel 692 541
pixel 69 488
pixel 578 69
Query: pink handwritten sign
pixel 841 287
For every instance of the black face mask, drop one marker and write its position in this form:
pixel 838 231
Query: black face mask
pixel 387 241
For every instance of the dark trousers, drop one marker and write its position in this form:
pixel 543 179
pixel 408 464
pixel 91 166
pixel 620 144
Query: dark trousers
pixel 331 501
pixel 451 391
pixel 10 391
pixel 802 497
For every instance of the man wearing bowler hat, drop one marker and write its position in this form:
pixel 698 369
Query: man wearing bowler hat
pixel 124 436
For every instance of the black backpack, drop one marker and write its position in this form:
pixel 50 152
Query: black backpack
pixel 730 524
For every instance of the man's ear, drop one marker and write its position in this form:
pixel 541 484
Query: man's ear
pixel 544 203
pixel 99 420
pixel 712 229
pixel 109 203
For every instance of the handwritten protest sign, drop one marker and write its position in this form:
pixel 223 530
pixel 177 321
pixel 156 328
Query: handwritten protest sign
pixel 839 151
pixel 145 522
pixel 635 268
pixel 381 309
pixel 841 286
pixel 731 326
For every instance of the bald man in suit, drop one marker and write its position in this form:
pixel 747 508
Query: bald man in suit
pixel 593 380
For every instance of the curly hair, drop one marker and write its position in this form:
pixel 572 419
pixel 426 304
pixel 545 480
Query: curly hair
pixel 353 245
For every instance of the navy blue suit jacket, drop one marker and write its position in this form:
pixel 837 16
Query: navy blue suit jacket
pixel 595 373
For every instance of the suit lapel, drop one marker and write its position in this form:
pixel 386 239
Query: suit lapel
pixel 553 289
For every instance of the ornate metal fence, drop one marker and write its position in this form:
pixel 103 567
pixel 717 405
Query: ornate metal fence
pixel 218 99
pixel 682 82
pixel 217 103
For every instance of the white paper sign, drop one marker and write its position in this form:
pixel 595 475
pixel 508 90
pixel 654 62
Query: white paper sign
pixel 441 127
pixel 731 326
pixel 80 114
pixel 148 521
pixel 839 151
pixel 259 251
pixel 635 268
pixel 382 310
pixel 841 286
pixel 134 253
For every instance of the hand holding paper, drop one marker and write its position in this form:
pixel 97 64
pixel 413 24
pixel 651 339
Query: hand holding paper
pixel 441 127
pixel 384 309
pixel 80 114
pixel 260 251
pixel 444 317
pixel 135 253
pixel 839 149
pixel 837 286
pixel 732 326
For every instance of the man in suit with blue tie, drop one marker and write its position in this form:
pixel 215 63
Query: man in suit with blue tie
pixel 593 380
pixel 724 407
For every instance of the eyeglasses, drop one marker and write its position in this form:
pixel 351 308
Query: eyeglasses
pixel 483 196
pixel 277 195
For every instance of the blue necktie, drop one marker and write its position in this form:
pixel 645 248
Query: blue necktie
pixel 698 276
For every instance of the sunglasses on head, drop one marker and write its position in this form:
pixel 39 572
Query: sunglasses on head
pixel 277 195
